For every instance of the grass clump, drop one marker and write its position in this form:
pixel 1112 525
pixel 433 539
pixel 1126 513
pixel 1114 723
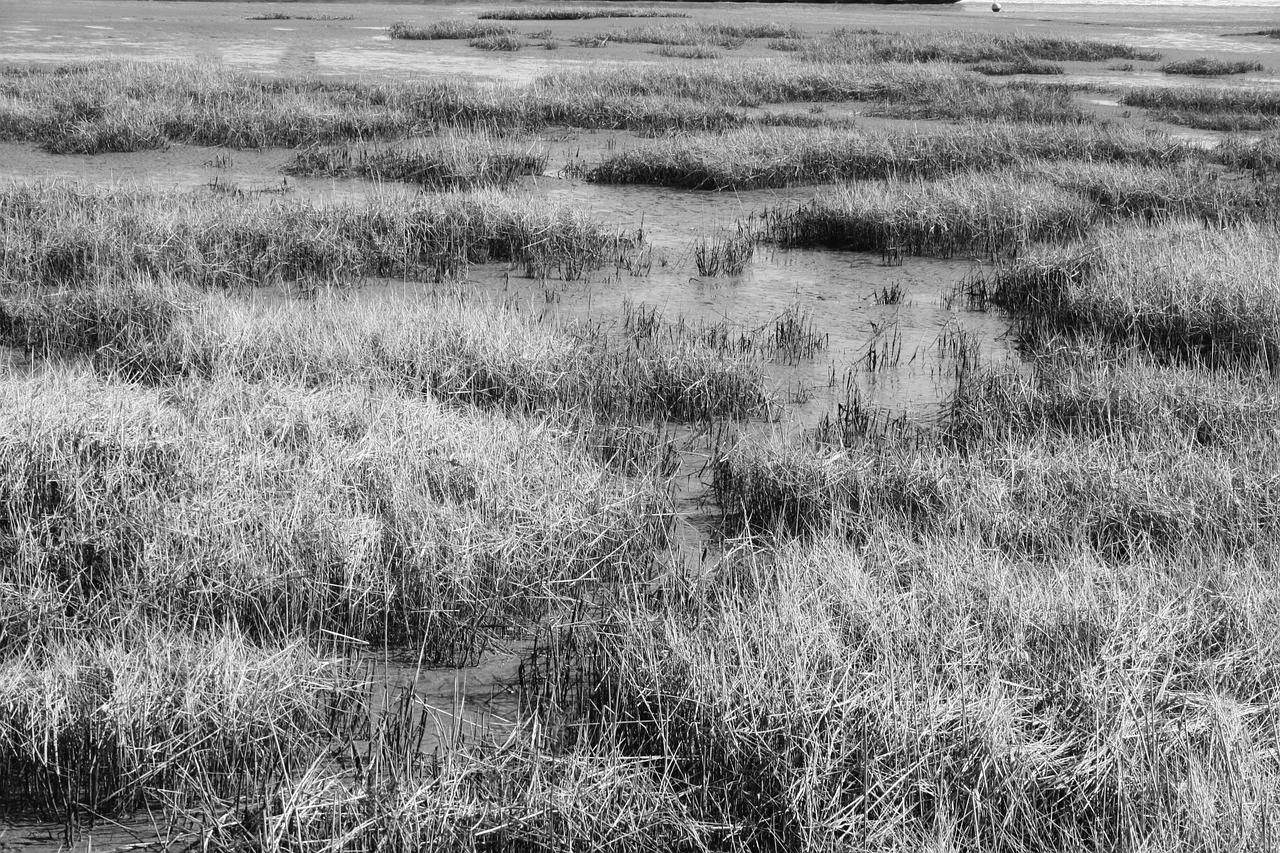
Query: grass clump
pixel 978 213
pixel 102 723
pixel 344 510
pixel 756 159
pixel 1259 156
pixel 1022 65
pixel 59 234
pixel 1090 392
pixel 110 106
pixel 720 33
pixel 575 13
pixel 507 795
pixel 159 331
pixel 899 90
pixel 1183 289
pixel 1205 101
pixel 1203 66
pixel 1112 499
pixel 790 336
pixel 497 42
pixel 449 29
pixel 687 51
pixel 1211 109
pixel 1158 193
pixel 724 254
pixel 104 107
pixel 865 664
pixel 1226 122
pixel 861 46
pixel 457 162
pixel 281 16
pixel 115 106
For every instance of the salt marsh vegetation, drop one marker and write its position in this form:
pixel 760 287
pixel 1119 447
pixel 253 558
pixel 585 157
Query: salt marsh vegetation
pixel 978 213
pixel 758 158
pixel 274 467
pixel 1180 288
pixel 1205 67
pixel 58 234
pixel 453 162
pixel 449 29
pixel 576 13
pixel 871 45
pixel 1217 108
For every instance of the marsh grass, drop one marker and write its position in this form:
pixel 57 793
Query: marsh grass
pixel 1205 100
pixel 105 107
pixel 752 159
pixel 723 254
pixel 984 214
pixel 348 511
pixel 158 331
pixel 114 106
pixel 1227 121
pixel 281 16
pixel 110 106
pixel 861 46
pixel 505 796
pixel 1092 391
pixel 895 89
pixel 720 34
pixel 787 338
pixel 874 669
pixel 1158 193
pixel 59 234
pixel 1259 156
pixel 98 725
pixel 1203 66
pixel 687 51
pixel 1118 501
pixel 575 13
pixel 452 162
pixel 1182 289
pixel 211 556
pixel 1043 620
pixel 450 29
pixel 497 42
pixel 1210 109
pixel 1022 65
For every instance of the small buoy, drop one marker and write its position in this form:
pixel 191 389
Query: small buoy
pixel 995 7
